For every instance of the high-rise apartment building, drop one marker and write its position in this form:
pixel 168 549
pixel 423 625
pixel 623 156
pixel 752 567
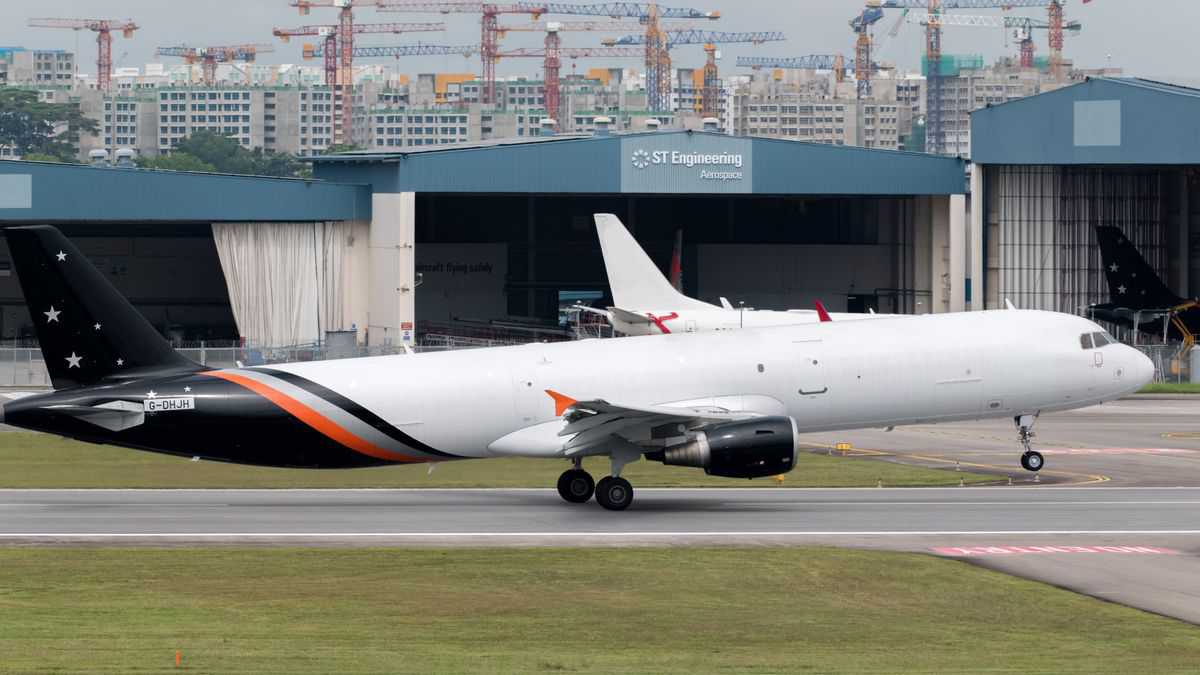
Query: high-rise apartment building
pixel 39 67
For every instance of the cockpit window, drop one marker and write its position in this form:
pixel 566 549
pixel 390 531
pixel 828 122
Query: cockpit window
pixel 1085 341
pixel 1102 339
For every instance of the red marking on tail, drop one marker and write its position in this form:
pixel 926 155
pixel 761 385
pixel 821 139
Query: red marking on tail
pixel 822 314
pixel 659 321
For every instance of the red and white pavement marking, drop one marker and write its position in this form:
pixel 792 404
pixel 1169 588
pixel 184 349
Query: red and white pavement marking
pixel 976 551
pixel 1117 451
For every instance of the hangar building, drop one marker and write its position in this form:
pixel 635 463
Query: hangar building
pixel 386 243
pixel 1052 167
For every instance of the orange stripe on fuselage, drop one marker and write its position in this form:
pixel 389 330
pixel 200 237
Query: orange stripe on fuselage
pixel 313 418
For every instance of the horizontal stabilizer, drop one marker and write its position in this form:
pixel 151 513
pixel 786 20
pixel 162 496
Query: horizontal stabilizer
pixel 114 416
pixel 629 317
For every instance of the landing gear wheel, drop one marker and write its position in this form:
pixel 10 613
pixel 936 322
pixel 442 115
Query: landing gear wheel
pixel 576 486
pixel 1032 461
pixel 614 494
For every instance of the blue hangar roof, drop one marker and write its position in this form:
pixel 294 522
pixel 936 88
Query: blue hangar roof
pixel 46 192
pixel 668 162
pixel 1098 121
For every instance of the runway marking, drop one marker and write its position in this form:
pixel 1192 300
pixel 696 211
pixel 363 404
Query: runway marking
pixel 975 551
pixel 823 502
pixel 1118 451
pixel 570 535
pixel 1082 478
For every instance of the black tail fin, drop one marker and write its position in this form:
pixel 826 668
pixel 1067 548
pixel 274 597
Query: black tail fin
pixel 88 331
pixel 1132 282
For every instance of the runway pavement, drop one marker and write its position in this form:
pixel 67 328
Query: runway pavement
pixel 1138 546
pixel 1138 441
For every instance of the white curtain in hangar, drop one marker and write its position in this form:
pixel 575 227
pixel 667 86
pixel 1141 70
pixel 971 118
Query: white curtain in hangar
pixel 285 280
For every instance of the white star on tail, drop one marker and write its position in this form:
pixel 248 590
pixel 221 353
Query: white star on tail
pixel 187 390
pixel 97 326
pixel 1121 290
pixel 62 257
pixel 1113 267
pixel 151 394
pixel 52 315
pixel 73 361
pixel 120 362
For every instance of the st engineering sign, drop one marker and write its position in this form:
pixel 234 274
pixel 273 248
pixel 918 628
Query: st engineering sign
pixel 686 163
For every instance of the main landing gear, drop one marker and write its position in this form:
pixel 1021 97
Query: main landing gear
pixel 1031 460
pixel 612 492
pixel 576 485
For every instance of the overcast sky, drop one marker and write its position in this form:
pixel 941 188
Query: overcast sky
pixel 1149 38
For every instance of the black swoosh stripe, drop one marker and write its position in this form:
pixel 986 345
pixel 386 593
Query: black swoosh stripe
pixel 366 416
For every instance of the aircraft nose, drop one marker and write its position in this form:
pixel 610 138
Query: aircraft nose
pixel 1142 368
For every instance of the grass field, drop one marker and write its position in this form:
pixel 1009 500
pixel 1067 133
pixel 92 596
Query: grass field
pixel 29 460
pixel 1170 388
pixel 631 610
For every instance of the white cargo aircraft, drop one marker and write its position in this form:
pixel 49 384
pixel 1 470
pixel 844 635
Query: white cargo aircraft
pixel 732 403
pixel 647 304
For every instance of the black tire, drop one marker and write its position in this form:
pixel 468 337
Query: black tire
pixel 1032 461
pixel 576 486
pixel 614 494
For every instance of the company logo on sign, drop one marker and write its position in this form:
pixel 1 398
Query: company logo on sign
pixel 727 165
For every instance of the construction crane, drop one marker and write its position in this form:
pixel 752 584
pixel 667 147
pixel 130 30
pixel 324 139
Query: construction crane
pixel 861 25
pixel 209 57
pixel 832 62
pixel 647 14
pixel 935 128
pixel 615 26
pixel 1023 26
pixel 398 51
pixel 710 93
pixel 103 29
pixel 339 52
pixel 329 35
pixel 659 100
pixel 552 55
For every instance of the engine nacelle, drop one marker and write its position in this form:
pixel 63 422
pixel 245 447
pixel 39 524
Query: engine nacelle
pixel 753 448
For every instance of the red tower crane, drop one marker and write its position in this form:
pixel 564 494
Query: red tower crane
pixel 209 57
pixel 553 63
pixel 339 56
pixel 103 29
pixel 658 63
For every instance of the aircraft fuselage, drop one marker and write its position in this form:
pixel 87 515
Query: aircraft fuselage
pixel 493 402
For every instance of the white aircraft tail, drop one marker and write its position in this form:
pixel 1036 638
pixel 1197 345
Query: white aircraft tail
pixel 636 282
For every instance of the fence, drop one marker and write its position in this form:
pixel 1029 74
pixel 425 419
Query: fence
pixel 23 366
pixel 1170 363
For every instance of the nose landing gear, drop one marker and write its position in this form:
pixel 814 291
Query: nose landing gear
pixel 1031 460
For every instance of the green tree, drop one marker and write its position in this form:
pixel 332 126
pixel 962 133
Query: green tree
pixel 41 157
pixel 223 153
pixel 178 161
pixel 277 164
pixel 37 127
pixel 226 155
pixel 338 148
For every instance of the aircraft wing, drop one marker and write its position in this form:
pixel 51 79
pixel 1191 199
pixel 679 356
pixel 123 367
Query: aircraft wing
pixel 595 424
